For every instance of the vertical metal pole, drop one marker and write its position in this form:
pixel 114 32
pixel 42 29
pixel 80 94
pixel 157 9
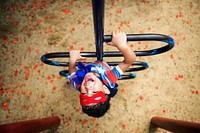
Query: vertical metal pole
pixel 98 16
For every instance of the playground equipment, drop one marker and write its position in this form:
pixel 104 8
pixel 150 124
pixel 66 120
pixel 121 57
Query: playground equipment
pixel 100 38
pixel 177 126
pixel 32 126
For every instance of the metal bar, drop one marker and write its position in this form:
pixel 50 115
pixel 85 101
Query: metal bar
pixel 178 126
pixel 98 16
pixel 142 37
pixel 31 126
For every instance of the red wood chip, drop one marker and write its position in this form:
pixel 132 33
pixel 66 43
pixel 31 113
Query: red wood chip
pixel 85 121
pixel 26 67
pixel 40 21
pixel 26 107
pixel 164 110
pixel 172 56
pixel 12 91
pixel 36 66
pixel 66 11
pixel 21 6
pixel 8 17
pixel 24 92
pixel 42 64
pixel 44 4
pixel 1 85
pixel 132 45
pixel 12 9
pixel 27 74
pixel 15 23
pixel 16 72
pixel 18 85
pixel 93 119
pixel 7 116
pixel 54 88
pixel 156 87
pixel 29 49
pixel 1 92
pixel 123 90
pixel 191 5
pixel 82 49
pixel 71 2
pixel 175 34
pixel 49 77
pixel 114 4
pixel 90 5
pixel 176 78
pixel 157 18
pixel 59 77
pixel 123 126
pixel 39 71
pixel 5 104
pixel 94 131
pixel 141 97
pixel 145 1
pixel 73 29
pixel 71 47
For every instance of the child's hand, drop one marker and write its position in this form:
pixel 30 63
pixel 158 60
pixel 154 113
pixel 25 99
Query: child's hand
pixel 118 39
pixel 76 56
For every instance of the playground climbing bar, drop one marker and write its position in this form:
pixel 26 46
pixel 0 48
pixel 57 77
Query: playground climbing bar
pixel 31 126
pixel 177 126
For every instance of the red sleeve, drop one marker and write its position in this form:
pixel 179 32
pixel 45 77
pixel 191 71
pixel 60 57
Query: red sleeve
pixel 112 77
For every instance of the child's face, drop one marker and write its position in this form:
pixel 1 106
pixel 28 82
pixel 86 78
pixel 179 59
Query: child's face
pixel 91 84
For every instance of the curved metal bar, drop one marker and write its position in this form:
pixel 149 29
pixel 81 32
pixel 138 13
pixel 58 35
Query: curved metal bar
pixel 141 37
pixel 130 37
pixel 45 58
pixel 127 75
pixel 142 66
pixel 146 37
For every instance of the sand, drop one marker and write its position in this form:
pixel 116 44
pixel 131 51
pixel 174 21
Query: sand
pixel 31 89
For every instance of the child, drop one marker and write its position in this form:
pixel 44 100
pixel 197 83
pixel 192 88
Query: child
pixel 97 81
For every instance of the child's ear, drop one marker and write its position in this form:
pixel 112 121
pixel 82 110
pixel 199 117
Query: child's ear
pixel 106 90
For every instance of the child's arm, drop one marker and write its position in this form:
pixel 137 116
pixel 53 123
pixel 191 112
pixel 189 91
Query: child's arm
pixel 74 57
pixel 119 41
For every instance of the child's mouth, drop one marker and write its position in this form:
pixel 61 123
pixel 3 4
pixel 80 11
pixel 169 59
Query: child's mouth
pixel 89 80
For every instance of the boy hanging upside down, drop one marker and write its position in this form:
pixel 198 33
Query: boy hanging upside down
pixel 97 81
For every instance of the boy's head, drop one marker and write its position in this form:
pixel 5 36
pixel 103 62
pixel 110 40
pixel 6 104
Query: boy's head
pixel 94 97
